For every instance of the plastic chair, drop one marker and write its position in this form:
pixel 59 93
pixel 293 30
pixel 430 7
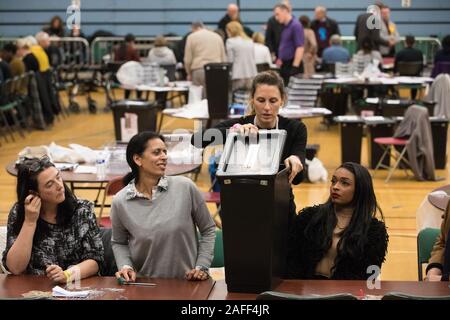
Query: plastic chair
pixel 274 295
pixel 113 186
pixel 425 242
pixel 411 69
pixel 389 144
pixel 218 260
pixel 406 296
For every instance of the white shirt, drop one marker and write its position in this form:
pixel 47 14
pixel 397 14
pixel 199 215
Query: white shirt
pixel 262 54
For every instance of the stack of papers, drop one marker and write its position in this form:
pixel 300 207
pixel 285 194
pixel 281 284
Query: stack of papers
pixel 62 293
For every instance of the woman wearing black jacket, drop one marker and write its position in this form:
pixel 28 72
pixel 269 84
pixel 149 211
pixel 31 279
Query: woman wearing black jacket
pixel 341 238
pixel 267 96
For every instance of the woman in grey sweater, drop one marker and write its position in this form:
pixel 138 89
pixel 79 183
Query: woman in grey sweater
pixel 155 217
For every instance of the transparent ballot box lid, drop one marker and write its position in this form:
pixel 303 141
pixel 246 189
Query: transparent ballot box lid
pixel 252 155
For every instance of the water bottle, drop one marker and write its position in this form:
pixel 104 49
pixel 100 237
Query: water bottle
pixel 100 165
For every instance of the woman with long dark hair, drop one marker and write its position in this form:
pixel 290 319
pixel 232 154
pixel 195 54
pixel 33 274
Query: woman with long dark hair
pixel 49 230
pixel 155 218
pixel 341 238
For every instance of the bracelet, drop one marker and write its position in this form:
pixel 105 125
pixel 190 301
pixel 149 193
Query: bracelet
pixel 67 274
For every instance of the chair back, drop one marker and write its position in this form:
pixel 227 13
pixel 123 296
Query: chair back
pixel 409 69
pixel 261 67
pixel 218 260
pixel 425 242
pixel 109 267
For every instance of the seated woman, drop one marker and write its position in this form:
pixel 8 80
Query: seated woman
pixel 438 268
pixel 341 238
pixel 267 96
pixel 50 232
pixel 155 218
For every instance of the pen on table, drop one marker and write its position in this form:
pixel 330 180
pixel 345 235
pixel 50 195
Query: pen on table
pixel 122 281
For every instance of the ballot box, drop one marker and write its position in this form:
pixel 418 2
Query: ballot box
pixel 254 210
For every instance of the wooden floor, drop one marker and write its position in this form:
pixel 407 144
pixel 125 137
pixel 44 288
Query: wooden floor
pixel 399 198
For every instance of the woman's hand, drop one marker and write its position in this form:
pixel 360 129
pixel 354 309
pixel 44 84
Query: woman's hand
pixel 245 129
pixel 434 274
pixel 127 273
pixel 32 208
pixel 196 275
pixel 56 273
pixel 294 163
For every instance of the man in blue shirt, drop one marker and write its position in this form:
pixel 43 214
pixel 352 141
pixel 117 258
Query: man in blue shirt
pixel 335 53
pixel 290 51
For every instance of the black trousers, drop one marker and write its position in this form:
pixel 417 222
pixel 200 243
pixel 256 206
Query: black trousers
pixel 287 70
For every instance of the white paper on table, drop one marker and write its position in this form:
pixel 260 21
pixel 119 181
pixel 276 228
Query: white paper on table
pixel 86 169
pixel 195 110
pixel 374 118
pixel 373 100
pixel 60 292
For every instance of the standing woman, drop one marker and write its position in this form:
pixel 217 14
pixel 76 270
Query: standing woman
pixel 310 53
pixel 241 54
pixel 50 231
pixel 341 238
pixel 155 218
pixel 267 96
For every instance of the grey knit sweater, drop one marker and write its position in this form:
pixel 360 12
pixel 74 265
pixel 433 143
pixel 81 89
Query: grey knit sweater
pixel 158 237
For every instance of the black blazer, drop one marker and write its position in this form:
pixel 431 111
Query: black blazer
pixel 295 140
pixel 304 256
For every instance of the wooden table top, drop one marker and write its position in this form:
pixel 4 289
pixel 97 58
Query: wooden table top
pixel 327 287
pixel 71 176
pixel 106 288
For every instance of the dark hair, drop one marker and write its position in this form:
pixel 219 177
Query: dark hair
pixel 446 43
pixel 130 37
pixel 137 145
pixel 57 18
pixel 27 174
pixel 365 208
pixel 305 21
pixel 10 47
pixel 367 44
pixel 270 78
pixel 410 39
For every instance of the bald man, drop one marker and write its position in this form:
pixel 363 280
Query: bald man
pixel 324 28
pixel 232 15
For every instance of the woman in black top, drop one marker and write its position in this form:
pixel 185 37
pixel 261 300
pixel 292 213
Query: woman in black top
pixel 342 238
pixel 50 232
pixel 266 98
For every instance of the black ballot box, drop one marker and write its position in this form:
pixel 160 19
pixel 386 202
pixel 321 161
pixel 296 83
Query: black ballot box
pixel 351 130
pixel 133 116
pixel 377 126
pixel 439 130
pixel 254 210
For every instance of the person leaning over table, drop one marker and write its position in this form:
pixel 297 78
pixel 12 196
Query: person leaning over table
pixel 155 218
pixel 51 232
pixel 341 238
pixel 438 268
pixel 267 96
